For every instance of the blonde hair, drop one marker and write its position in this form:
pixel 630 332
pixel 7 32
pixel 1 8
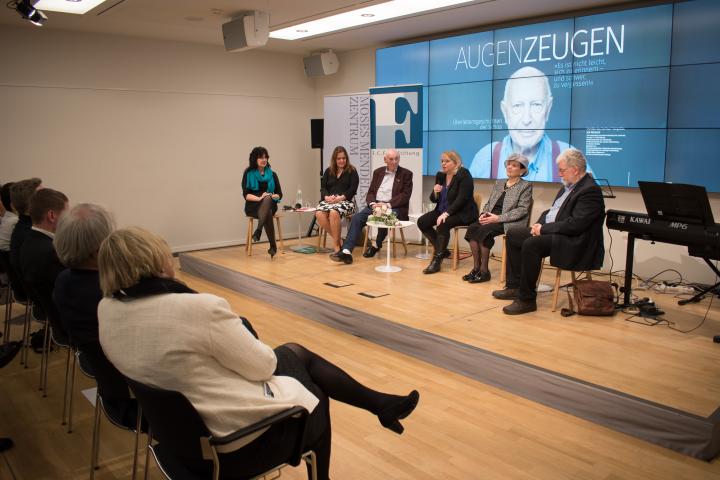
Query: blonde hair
pixel 128 255
pixel 454 157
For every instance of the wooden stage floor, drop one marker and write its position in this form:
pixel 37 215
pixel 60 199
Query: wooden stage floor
pixel 655 363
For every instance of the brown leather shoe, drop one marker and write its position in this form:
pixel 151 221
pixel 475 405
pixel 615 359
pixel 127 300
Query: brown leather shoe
pixel 506 294
pixel 518 307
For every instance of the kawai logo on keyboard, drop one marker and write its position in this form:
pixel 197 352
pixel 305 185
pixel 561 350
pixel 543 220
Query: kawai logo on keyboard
pixel 679 226
pixel 621 218
pixel 644 220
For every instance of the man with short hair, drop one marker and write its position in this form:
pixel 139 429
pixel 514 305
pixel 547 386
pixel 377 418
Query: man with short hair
pixel 526 107
pixel 392 186
pixel 570 232
pixel 20 194
pixel 39 264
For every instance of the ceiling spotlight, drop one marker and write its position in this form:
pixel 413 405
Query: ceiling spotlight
pixel 30 13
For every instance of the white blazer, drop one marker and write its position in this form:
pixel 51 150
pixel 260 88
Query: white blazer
pixel 194 344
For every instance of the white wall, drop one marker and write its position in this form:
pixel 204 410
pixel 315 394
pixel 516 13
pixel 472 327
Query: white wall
pixel 160 132
pixel 357 73
pixel 157 131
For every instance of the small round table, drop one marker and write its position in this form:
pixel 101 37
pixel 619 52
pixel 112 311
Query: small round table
pixel 387 268
pixel 300 247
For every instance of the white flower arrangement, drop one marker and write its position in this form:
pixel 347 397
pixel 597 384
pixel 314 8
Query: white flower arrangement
pixel 383 214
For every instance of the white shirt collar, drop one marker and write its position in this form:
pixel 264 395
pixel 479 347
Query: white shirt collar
pixel 44 232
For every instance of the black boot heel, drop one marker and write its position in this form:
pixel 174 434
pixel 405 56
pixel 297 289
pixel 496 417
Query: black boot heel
pixel 434 266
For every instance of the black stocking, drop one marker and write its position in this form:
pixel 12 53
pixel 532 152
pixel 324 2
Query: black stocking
pixel 265 219
pixel 339 385
pixel 484 258
pixel 475 249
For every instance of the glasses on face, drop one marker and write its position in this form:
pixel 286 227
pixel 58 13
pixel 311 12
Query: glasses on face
pixel 561 171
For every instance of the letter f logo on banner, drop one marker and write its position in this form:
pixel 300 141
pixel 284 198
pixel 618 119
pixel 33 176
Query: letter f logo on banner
pixel 396 117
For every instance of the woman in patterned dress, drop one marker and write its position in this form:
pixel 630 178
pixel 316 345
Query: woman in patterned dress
pixel 338 187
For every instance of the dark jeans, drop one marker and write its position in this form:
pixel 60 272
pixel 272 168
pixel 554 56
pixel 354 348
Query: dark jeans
pixel 359 219
pixel 524 258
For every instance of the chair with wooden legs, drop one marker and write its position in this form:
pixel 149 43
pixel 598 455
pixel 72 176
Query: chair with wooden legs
pixel 250 229
pixel 323 234
pixel 503 239
pixel 556 290
pixel 393 240
pixel 456 235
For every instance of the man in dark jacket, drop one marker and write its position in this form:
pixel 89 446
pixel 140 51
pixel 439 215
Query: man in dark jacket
pixel 391 185
pixel 570 233
pixel 39 263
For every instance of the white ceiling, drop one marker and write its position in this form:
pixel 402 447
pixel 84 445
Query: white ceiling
pixel 199 21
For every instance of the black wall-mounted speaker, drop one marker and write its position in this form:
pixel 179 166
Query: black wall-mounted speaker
pixel 316 132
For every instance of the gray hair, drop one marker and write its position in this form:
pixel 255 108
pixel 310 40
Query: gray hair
pixel 573 158
pixel 80 232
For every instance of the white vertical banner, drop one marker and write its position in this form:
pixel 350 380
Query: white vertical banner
pixel 396 122
pixel 347 124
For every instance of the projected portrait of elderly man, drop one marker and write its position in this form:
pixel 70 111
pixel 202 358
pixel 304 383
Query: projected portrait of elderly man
pixel 526 107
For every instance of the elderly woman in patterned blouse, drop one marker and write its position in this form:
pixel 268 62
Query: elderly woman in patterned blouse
pixel 508 207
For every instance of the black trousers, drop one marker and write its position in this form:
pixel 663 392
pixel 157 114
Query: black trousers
pixel 275 445
pixel 524 258
pixel 438 235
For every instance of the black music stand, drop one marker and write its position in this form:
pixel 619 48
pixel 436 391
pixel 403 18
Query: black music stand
pixel 685 204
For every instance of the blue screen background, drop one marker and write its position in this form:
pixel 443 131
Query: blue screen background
pixel 640 96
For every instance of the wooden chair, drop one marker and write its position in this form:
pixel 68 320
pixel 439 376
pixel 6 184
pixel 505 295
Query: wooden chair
pixel 456 235
pixel 322 234
pixel 556 290
pixel 250 229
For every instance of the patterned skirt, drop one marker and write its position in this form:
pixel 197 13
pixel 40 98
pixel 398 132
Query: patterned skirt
pixel 344 208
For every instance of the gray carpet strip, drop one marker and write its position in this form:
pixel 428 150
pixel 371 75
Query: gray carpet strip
pixel 671 428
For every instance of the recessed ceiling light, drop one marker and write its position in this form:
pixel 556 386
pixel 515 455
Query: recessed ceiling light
pixel 367 15
pixel 68 6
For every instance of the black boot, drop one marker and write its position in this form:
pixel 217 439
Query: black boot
pixel 435 263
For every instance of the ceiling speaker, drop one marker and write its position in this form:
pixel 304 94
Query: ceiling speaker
pixel 247 31
pixel 319 64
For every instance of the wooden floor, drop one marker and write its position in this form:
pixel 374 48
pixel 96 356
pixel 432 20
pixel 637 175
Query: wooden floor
pixel 655 363
pixel 462 429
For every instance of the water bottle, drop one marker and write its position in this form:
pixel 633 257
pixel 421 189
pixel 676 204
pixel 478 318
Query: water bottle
pixel 298 198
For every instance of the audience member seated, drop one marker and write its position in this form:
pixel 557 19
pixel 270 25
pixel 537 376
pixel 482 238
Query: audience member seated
pixel 570 232
pixel 508 207
pixel 337 189
pixel 8 221
pixel 262 192
pixel 158 331
pixel 20 194
pixel 8 351
pixel 77 295
pixel 453 194
pixel 77 288
pixel 392 186
pixel 39 263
